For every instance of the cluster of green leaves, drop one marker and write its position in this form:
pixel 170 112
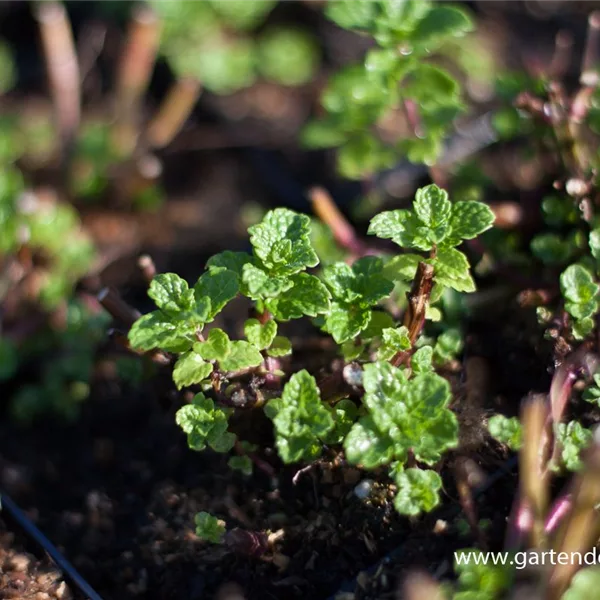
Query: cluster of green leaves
pixel 63 382
pixel 209 528
pixel 205 425
pixel 404 416
pixel 580 293
pixel 216 42
pixel 478 579
pixel 571 437
pixel 436 225
pixel 506 430
pixel 95 160
pixel 404 413
pixel 49 229
pixel 393 73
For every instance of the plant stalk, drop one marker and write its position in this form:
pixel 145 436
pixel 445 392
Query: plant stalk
pixel 62 68
pixel 133 77
pixel 173 112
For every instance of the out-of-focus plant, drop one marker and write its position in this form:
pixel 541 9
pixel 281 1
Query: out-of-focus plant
pixel 396 83
pixel 62 383
pixel 217 43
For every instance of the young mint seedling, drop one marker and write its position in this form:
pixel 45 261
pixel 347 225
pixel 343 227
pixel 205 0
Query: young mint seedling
pixel 581 298
pixel 573 439
pixel 209 528
pixel 301 420
pixel 418 491
pixel 402 416
pixel 205 424
pixel 506 430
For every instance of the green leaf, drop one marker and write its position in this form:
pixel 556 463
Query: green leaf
pixel 324 133
pixel 392 342
pixel 468 220
pixel 345 322
pixel 339 278
pixel 452 270
pixel 219 285
pixel 300 419
pixel 377 323
pixel 205 424
pixel 402 267
pixel 216 347
pixel 308 296
pixel 552 249
pixel 447 347
pixel 241 356
pixel 287 55
pixel 478 580
pixel 433 208
pixel 282 242
pixel 344 413
pixel 577 285
pixel 233 261
pixel 421 360
pixel 171 293
pixel 369 282
pixel 260 335
pixel 260 285
pixel 440 24
pixel 409 414
pixel 585 584
pixel 355 289
pixel 158 330
pixel 209 528
pixel 573 439
pixel 365 445
pixel 506 430
pixel 281 346
pixel 418 491
pixel 594 241
pixel 352 14
pixel 402 227
pixel 241 463
pixel 190 369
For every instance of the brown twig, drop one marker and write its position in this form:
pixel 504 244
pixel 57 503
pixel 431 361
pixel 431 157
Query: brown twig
pixel 117 307
pixel 418 301
pixel 62 67
pixel 326 209
pixel 173 112
pixel 135 70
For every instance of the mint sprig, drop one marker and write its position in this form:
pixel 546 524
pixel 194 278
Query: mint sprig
pixel 435 225
pixel 301 420
pixel 402 415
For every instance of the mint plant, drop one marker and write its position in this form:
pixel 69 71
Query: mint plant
pixel 581 298
pixel 438 226
pixel 218 44
pixel 395 78
pixel 392 409
pixel 205 425
pixel 506 430
pixel 573 439
pixel 209 528
pixel 300 419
